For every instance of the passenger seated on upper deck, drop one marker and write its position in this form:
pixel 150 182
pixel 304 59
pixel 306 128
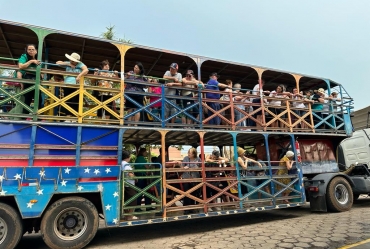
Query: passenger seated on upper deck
pixel 190 82
pixel 138 74
pixel 214 85
pixel 226 97
pixel 103 96
pixel 28 60
pixel 279 93
pixel 242 99
pixel 257 90
pixel 74 65
pixel 298 105
pixel 175 79
pixel 157 89
pixel 319 99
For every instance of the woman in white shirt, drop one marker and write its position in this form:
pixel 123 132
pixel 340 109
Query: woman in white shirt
pixel 276 104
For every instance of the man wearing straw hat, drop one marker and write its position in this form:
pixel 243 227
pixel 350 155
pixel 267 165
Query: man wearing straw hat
pixel 74 65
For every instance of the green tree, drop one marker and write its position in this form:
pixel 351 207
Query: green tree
pixel 110 34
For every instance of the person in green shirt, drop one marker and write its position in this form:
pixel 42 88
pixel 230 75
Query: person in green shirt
pixel 142 163
pixel 28 60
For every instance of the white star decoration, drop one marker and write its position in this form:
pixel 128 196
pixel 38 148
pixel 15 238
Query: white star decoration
pixel 67 170
pixel 115 194
pixel 79 188
pixel 64 183
pixel 87 170
pixel 17 176
pixel 29 205
pixel 100 187
pixel 108 170
pixel 115 221
pixel 40 192
pixel 2 193
pixel 1 178
pixel 42 173
pixel 107 207
pixel 96 171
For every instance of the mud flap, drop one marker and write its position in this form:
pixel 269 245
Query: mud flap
pixel 318 203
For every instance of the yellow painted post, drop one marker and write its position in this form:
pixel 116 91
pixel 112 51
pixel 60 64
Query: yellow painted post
pixel 81 100
pixel 122 49
pixel 263 120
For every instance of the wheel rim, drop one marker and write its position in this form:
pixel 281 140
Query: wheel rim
pixel 341 194
pixel 70 224
pixel 3 230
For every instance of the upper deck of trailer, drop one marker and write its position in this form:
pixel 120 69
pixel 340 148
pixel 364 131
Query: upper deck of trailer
pixel 55 44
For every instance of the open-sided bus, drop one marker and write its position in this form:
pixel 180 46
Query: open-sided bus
pixel 59 172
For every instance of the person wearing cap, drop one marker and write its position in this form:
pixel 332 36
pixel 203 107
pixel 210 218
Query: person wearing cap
pixel 74 65
pixel 286 163
pixel 190 82
pixel 174 80
pixel 214 85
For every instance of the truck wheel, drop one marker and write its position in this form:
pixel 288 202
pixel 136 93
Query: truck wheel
pixel 339 195
pixel 10 227
pixel 70 223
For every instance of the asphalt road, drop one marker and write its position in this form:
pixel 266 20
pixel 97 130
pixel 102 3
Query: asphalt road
pixel 286 228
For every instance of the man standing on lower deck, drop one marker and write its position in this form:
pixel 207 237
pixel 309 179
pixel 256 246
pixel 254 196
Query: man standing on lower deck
pixel 214 85
pixel 174 79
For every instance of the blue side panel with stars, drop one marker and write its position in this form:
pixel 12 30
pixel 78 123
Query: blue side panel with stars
pixel 33 187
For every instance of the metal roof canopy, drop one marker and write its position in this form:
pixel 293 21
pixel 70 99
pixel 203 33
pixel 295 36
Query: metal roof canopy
pixel 14 37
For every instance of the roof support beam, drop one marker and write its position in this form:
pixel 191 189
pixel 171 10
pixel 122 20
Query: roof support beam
pixel 222 69
pixel 274 78
pixel 6 43
pixel 83 49
pixel 246 77
pixel 192 64
pixel 155 62
pixel 117 60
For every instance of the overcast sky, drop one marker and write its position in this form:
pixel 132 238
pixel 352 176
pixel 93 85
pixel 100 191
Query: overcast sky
pixel 322 38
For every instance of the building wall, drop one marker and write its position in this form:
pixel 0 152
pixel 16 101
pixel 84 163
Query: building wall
pixel 359 120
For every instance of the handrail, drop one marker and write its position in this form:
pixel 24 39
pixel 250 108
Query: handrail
pixel 199 101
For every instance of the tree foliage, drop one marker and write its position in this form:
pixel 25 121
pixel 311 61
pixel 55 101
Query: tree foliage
pixel 110 34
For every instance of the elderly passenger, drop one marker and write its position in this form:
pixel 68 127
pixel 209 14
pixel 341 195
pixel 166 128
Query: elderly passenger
pixel 286 163
pixel 73 65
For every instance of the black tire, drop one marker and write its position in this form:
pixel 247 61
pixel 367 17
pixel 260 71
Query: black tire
pixel 339 195
pixel 69 223
pixel 11 227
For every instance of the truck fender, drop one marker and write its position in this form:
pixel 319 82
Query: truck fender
pixel 325 178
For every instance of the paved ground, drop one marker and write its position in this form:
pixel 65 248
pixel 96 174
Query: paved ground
pixel 287 228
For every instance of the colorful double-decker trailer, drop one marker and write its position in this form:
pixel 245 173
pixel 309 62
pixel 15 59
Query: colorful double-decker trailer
pixel 61 153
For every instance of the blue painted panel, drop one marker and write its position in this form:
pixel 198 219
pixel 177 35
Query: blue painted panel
pixel 55 152
pixel 98 152
pixel 99 136
pixel 21 133
pixel 14 152
pixel 66 132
